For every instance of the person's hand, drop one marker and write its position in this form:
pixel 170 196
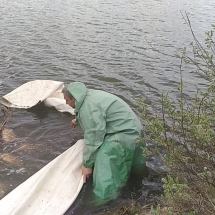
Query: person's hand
pixel 73 123
pixel 86 172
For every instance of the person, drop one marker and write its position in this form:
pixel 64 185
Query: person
pixel 111 130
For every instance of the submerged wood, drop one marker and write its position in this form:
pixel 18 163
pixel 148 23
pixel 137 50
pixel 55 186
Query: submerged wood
pixel 7 113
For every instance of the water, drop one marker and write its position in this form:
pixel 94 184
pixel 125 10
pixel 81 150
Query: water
pixel 101 43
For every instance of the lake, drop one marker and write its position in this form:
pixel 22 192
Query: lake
pixel 108 45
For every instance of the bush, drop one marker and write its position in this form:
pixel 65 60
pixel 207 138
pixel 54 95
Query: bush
pixel 185 136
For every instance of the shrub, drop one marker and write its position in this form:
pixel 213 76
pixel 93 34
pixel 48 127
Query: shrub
pixel 185 135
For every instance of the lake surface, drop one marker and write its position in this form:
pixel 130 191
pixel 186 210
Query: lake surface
pixel 104 44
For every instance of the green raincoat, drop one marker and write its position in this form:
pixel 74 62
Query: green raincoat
pixel 111 129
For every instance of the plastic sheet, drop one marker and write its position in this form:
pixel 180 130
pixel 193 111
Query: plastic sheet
pixel 51 190
pixel 34 92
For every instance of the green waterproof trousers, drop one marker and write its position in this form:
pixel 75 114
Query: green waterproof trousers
pixel 112 167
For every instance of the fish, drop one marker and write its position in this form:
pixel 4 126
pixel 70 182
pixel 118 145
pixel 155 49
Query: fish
pixel 3 189
pixel 8 135
pixel 10 159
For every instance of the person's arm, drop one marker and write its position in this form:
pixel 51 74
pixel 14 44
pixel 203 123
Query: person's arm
pixel 93 123
pixel 86 172
pixel 73 123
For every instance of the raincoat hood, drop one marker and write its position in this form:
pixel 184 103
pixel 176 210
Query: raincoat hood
pixel 78 91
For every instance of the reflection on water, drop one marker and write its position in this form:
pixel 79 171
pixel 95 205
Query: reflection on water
pixel 101 43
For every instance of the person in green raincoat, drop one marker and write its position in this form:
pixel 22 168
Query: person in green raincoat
pixel 111 130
